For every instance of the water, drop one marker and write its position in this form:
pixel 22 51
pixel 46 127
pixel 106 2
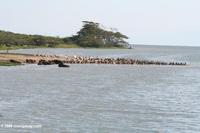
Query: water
pixel 104 98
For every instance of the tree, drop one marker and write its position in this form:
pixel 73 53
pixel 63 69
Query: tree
pixel 39 40
pixel 8 48
pixel 91 35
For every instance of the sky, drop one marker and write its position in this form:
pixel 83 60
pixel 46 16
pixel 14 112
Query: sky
pixel 149 22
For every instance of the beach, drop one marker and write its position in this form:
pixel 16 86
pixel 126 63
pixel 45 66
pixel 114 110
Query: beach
pixel 55 59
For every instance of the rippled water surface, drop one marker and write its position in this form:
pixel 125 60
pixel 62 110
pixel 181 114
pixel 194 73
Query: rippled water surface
pixel 104 98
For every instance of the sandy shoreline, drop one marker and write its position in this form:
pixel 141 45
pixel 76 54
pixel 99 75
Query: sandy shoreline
pixel 54 59
pixel 24 57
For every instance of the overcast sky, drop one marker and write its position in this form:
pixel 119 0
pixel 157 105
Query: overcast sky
pixel 156 22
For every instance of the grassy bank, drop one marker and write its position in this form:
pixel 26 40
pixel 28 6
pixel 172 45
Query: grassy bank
pixel 7 63
pixel 57 46
pixel 77 46
pixel 30 47
pixel 20 47
pixel 66 46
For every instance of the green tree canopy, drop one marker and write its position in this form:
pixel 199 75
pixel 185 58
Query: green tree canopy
pixel 92 35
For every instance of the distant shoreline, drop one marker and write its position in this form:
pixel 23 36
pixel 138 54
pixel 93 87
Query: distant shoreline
pixel 64 46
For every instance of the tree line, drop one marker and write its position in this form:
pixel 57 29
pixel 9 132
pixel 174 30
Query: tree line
pixel 90 35
pixel 15 39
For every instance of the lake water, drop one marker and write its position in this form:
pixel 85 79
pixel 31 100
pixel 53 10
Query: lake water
pixel 104 98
